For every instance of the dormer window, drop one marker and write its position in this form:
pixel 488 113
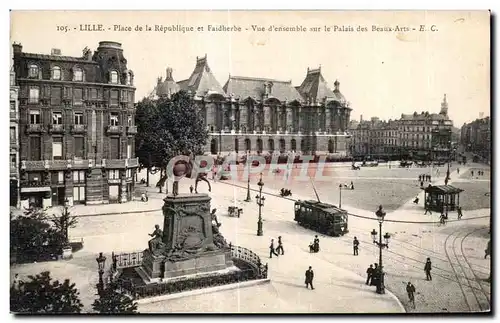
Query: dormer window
pixel 56 73
pixel 33 71
pixel 77 74
pixel 113 77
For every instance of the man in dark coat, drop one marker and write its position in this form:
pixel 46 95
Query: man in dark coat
pixel 369 274
pixel 427 269
pixel 355 245
pixel 272 250
pixel 280 247
pixel 410 289
pixel 374 280
pixel 309 277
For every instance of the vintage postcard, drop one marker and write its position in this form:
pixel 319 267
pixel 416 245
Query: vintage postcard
pixel 250 162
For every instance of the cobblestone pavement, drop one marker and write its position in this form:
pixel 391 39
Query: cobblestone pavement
pixel 410 245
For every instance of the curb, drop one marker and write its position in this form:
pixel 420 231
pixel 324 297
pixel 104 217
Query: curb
pixel 397 300
pixel 202 291
pixel 116 213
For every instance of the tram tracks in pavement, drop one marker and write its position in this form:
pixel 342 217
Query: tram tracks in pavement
pixel 471 294
pixel 396 257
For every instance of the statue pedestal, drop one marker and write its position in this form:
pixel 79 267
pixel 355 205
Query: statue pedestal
pixel 190 248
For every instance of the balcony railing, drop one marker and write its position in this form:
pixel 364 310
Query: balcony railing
pixel 13 115
pixel 131 130
pixel 78 128
pixel 39 165
pixel 34 128
pixel 120 163
pixel 56 128
pixel 114 129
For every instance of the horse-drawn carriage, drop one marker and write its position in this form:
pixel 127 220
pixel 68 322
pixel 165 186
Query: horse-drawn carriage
pixel 405 163
pixel 234 211
pixel 285 192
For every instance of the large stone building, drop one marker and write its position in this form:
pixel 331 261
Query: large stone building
pixel 76 126
pixel 263 115
pixel 14 141
pixel 476 138
pixel 419 135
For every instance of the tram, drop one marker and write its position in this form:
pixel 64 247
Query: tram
pixel 321 217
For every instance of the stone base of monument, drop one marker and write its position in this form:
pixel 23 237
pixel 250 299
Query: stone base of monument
pixel 155 268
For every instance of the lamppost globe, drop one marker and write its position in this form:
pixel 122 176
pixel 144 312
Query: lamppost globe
pixel 101 261
pixel 387 238
pixel 374 235
pixel 380 214
pixel 340 186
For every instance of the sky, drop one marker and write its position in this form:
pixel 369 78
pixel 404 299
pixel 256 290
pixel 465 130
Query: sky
pixel 382 73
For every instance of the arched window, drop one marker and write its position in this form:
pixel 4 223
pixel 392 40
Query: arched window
pixel 33 71
pixel 293 144
pixel 330 146
pixel 77 74
pixel 282 145
pixel 56 73
pixel 259 145
pixel 130 78
pixel 113 77
pixel 236 145
pixel 214 147
pixel 248 145
pixel 270 145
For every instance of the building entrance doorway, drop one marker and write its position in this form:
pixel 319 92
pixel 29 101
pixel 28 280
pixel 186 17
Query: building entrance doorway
pixel 58 196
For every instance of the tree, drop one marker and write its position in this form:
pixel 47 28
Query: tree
pixel 167 128
pixel 62 224
pixel 113 300
pixel 43 295
pixel 32 236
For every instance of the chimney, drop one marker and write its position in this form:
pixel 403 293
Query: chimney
pixel 360 118
pixel 17 48
pixel 55 52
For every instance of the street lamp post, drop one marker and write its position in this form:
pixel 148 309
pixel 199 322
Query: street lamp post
pixel 248 199
pixel 380 217
pixel 340 196
pixel 101 261
pixel 260 202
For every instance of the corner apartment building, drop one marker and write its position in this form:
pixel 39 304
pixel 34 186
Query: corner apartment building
pixel 14 141
pixel 76 126
pixel 475 137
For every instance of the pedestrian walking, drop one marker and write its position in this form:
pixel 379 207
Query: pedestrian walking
pixel 419 178
pixel 191 189
pixel 280 247
pixel 472 173
pixel 422 184
pixel 427 269
pixel 316 243
pixel 309 277
pixel 410 289
pixel 442 219
pixel 430 178
pixel 369 274
pixel 458 170
pixel 427 209
pixel 355 246
pixel 459 213
pixel 272 251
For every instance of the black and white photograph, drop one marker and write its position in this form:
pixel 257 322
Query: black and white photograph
pixel 250 162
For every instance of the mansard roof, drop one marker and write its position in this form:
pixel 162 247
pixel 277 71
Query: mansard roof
pixel 241 87
pixel 57 58
pixel 201 80
pixel 315 87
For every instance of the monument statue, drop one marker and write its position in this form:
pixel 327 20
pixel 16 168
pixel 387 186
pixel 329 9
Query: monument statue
pixel 156 244
pixel 190 241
